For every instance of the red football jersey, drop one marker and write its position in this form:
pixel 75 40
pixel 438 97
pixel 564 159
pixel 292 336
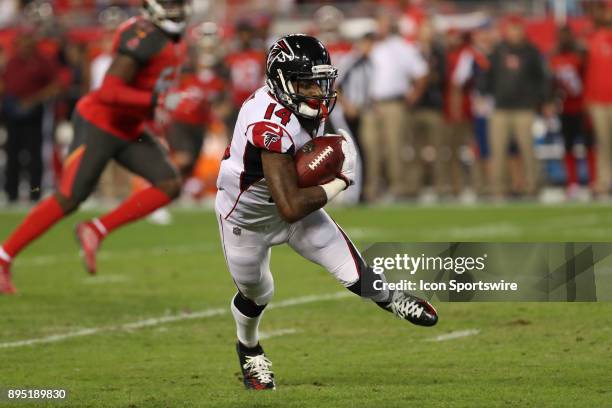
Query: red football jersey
pixel 156 54
pixel 198 91
pixel 246 72
pixel 568 70
pixel 598 87
pixel 339 51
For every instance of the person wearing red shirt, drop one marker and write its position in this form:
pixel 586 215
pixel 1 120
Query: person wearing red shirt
pixel 108 126
pixel 29 81
pixel 245 64
pixel 567 65
pixel 203 89
pixel 598 95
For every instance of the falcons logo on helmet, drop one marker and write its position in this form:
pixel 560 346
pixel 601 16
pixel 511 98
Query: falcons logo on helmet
pixel 281 52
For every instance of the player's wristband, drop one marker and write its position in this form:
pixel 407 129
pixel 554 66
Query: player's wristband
pixel 333 188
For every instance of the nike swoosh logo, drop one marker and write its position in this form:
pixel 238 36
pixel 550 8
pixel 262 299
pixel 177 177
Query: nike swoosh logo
pixel 274 127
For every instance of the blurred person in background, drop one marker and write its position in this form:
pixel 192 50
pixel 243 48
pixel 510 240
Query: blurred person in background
pixel 567 63
pixel 399 77
pixel 353 91
pixel 202 85
pixel 72 58
pixel 328 20
pixel 245 61
pixel 598 94
pixel 428 127
pixel 519 84
pixel 30 80
pixel 463 61
pixel 484 40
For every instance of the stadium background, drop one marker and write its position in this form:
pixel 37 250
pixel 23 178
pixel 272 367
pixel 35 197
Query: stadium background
pixel 152 329
pixel 73 34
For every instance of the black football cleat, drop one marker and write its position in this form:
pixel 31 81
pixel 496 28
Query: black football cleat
pixel 255 366
pixel 414 309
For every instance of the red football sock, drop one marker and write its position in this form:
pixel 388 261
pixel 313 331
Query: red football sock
pixel 591 165
pixel 138 205
pixel 570 169
pixel 39 220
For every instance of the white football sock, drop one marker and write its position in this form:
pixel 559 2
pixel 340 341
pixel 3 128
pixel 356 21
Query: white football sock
pixel 4 256
pixel 247 328
pixel 99 226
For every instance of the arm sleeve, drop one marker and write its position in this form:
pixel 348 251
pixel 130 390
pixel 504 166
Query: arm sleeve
pixel 270 136
pixel 140 42
pixel 114 91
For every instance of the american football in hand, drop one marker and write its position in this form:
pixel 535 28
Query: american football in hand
pixel 319 161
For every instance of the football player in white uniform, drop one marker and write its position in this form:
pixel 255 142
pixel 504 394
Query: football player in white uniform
pixel 259 203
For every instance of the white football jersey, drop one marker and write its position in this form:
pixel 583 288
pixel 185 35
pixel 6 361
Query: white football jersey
pixel 263 123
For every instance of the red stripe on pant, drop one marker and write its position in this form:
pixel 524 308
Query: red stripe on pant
pixel 71 166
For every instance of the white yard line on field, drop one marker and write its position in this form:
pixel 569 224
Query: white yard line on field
pixel 455 335
pixel 45 260
pixel 156 321
pixel 104 279
pixel 276 333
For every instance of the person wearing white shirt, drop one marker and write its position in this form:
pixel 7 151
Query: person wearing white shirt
pixel 398 81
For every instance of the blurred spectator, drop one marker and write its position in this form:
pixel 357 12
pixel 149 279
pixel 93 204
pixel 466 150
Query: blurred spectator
pixel 484 39
pixel 328 20
pixel 398 81
pixel 428 127
pixel 30 80
pixel 246 65
pixel 353 90
pixel 518 82
pixel 411 19
pixel 353 84
pixel 567 64
pixel 8 11
pixel 73 58
pixel 464 61
pixel 598 95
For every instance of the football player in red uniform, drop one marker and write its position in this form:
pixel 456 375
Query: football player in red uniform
pixel 246 64
pixel 108 125
pixel 568 65
pixel 201 88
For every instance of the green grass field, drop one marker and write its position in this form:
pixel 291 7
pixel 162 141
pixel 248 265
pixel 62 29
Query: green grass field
pixel 328 350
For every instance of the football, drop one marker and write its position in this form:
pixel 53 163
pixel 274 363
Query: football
pixel 319 160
